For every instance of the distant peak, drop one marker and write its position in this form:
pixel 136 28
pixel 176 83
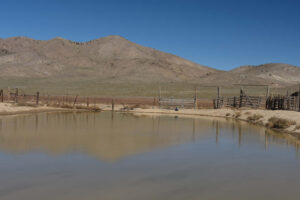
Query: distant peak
pixel 112 37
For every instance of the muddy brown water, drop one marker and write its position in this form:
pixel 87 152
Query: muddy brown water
pixel 114 156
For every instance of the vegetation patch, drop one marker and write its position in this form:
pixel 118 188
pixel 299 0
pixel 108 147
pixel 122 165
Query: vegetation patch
pixel 254 118
pixel 297 127
pixel 280 123
pixel 237 115
pixel 27 104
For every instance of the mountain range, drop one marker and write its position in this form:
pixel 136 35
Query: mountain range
pixel 114 59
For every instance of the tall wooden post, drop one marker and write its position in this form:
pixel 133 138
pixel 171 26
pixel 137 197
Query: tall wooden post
pixel 37 97
pixel 16 95
pixel 8 94
pixel 288 103
pixel 48 99
pixel 159 92
pixel 241 97
pixel 112 104
pixel 2 95
pixel 87 102
pixel 195 99
pixel 268 92
pixel 218 97
pixel 75 100
pixel 154 102
pixel 299 98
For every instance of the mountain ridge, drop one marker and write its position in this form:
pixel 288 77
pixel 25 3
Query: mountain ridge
pixel 116 59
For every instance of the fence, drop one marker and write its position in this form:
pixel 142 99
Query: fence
pixel 283 103
pixel 239 101
pixel 271 102
pixel 181 103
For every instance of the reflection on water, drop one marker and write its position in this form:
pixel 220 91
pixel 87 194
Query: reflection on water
pixel 107 136
pixel 125 156
pixel 111 136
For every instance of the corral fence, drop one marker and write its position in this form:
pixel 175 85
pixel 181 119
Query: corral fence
pixel 283 103
pixel 270 102
pixel 240 101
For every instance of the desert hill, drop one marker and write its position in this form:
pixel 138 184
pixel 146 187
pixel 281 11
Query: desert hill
pixel 111 59
pixel 113 62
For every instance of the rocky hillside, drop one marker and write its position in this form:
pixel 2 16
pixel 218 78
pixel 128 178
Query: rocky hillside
pixel 114 59
pixel 111 59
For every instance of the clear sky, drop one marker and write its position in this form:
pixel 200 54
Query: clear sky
pixel 218 33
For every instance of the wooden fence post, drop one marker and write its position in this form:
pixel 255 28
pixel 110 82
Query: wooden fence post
pixel 112 104
pixel 218 98
pixel 195 99
pixel 37 97
pixel 241 97
pixel 159 92
pixel 2 95
pixel 47 99
pixel 16 95
pixel 153 102
pixel 8 94
pixel 299 98
pixel 234 101
pixel 75 101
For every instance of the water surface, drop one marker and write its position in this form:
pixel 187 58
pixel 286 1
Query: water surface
pixel 113 156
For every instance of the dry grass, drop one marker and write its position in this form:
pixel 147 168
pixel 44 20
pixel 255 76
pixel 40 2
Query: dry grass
pixel 297 127
pixel 254 118
pixel 238 115
pixel 27 104
pixel 280 123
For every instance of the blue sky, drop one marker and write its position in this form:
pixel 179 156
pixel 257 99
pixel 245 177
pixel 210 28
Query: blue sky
pixel 222 34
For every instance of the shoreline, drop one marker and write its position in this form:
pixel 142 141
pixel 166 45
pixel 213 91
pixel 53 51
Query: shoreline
pixel 237 114
pixel 7 109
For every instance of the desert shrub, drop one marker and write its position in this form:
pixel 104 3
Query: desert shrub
pixel 247 113
pixel 94 108
pixel 280 123
pixel 254 118
pixel 27 104
pixel 297 127
pixel 228 114
pixel 238 114
pixel 66 106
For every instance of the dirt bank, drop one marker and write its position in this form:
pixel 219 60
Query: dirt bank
pixel 279 120
pixel 12 109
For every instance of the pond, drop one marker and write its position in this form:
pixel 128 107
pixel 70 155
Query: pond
pixel 115 156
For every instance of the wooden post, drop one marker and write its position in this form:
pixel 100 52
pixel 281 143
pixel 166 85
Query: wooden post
pixel 87 102
pixel 112 104
pixel 287 99
pixel 2 95
pixel 37 97
pixel 195 99
pixel 234 101
pixel 75 101
pixel 8 94
pixel 153 102
pixel 16 95
pixel 241 97
pixel 159 97
pixel 299 98
pixel 218 97
pixel 47 99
